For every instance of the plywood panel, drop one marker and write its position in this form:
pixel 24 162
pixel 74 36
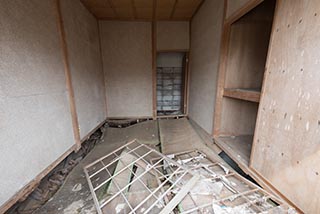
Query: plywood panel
pixel 173 36
pixel 206 29
pixel 127 63
pixel 82 38
pixel 286 147
pixel 36 127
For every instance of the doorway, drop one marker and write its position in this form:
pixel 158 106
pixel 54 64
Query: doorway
pixel 171 83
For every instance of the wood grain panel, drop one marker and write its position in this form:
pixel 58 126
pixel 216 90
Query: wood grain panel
pixel 286 149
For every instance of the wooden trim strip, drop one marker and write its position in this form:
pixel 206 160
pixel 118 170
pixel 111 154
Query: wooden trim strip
pixel 154 69
pixel 189 71
pixel 27 189
pixel 74 116
pixel 102 66
pixel 130 118
pixel 186 83
pixel 221 73
pixel 171 116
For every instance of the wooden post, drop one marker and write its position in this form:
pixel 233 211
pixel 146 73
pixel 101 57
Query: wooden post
pixel 74 116
pixel 154 69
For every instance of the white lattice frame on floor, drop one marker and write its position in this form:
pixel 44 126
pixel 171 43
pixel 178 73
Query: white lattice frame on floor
pixel 179 173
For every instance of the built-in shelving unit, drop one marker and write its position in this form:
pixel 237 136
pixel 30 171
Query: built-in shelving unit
pixel 242 71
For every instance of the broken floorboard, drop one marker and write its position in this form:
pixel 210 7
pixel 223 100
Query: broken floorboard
pixel 74 196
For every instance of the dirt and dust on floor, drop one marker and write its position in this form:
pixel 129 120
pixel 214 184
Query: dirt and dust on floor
pixel 162 166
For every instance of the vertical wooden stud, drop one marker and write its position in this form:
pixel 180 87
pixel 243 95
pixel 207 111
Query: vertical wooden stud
pixel 74 116
pixel 154 69
pixel 222 73
pixel 104 76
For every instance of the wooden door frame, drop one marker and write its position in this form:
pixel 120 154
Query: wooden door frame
pixel 186 83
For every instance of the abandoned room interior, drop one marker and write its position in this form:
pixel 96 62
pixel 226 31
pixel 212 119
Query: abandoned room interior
pixel 159 106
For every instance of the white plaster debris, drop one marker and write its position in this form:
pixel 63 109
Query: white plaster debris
pixel 76 205
pixel 119 207
pixel 207 187
pixel 171 156
pixel 77 187
pixel 241 209
pixel 184 161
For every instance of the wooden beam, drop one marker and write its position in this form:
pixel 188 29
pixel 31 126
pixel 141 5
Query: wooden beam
pixel 130 118
pixel 189 71
pixel 186 84
pixel 154 69
pixel 102 67
pixel 242 94
pixel 221 74
pixel 173 9
pixel 74 116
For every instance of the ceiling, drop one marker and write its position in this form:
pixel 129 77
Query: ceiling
pixel 143 10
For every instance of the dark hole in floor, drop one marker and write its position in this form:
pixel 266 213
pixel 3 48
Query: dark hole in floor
pixel 235 166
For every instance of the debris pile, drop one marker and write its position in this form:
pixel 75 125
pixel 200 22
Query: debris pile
pixel 138 179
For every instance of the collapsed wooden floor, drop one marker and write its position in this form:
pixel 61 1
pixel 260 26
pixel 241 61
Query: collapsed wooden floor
pixel 177 137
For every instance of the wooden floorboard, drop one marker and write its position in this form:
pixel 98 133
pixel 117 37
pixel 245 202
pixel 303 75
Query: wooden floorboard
pixel 177 135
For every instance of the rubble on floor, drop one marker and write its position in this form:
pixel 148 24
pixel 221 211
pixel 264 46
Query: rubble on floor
pixel 50 184
pixel 136 178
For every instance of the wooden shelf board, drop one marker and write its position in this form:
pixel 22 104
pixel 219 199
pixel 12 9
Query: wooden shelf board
pixel 248 94
pixel 237 147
